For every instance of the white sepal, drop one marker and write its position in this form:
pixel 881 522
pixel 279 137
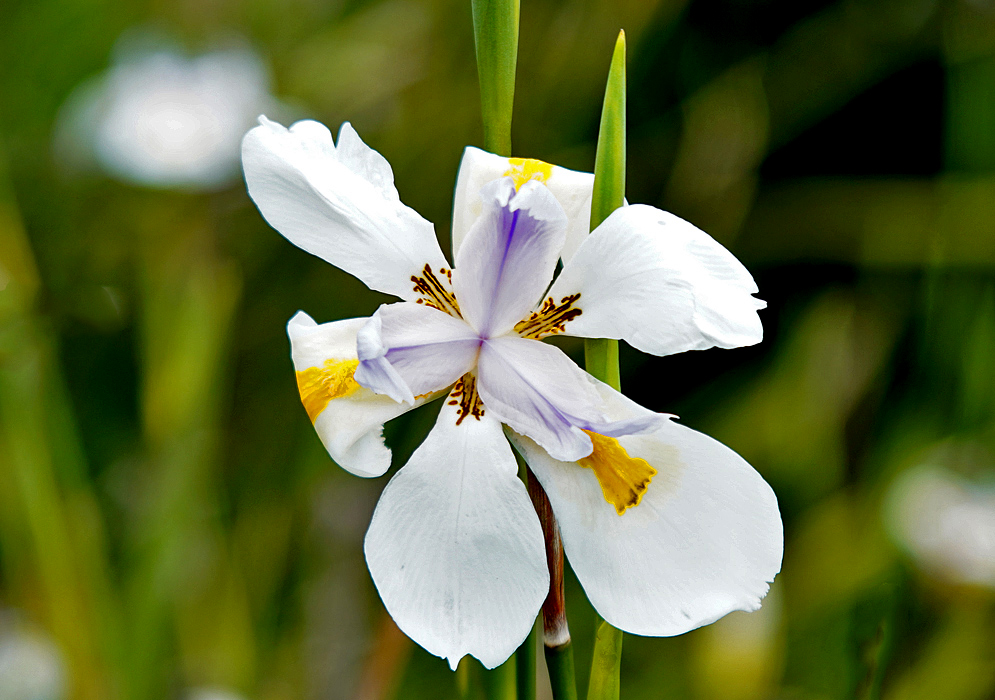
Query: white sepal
pixel 350 427
pixel 338 203
pixel 705 540
pixel 455 547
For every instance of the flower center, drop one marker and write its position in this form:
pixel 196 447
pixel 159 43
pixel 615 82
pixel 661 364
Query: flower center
pixel 623 479
pixel 319 385
pixel 524 169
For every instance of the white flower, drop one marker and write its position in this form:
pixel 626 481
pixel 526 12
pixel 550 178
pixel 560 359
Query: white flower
pixel 160 119
pixel 945 523
pixel 666 528
pixel 31 667
pixel 208 693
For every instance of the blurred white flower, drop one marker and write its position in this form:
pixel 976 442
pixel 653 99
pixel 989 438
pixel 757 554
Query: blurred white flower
pixel 213 694
pixel 30 666
pixel 945 522
pixel 161 119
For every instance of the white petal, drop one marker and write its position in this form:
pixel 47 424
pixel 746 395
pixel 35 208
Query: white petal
pixel 571 188
pixel 340 206
pixel 455 547
pixel 539 391
pixel 705 540
pixel 354 154
pixel 350 427
pixel 654 280
pixel 407 349
pixel 509 255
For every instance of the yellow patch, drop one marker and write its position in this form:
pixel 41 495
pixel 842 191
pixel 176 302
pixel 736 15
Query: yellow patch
pixel 623 479
pixel 319 385
pixel 525 169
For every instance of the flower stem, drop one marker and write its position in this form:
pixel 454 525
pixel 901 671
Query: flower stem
pixel 525 666
pixel 556 634
pixel 501 682
pixel 495 33
pixel 601 355
pixel 463 678
pixel 562 678
pixel 601 360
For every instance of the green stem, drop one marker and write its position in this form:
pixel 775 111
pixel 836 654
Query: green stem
pixel 601 355
pixel 463 678
pixel 601 360
pixel 562 678
pixel 501 683
pixel 525 665
pixel 495 33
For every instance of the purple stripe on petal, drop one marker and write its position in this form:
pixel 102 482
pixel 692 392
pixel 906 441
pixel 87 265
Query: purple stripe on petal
pixel 508 257
pixel 618 428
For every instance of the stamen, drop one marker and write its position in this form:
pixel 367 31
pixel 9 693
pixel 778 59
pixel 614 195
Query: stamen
pixel 434 293
pixel 623 479
pixel 464 395
pixel 550 319
pixel 319 385
pixel 525 169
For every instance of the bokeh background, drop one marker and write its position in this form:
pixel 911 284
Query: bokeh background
pixel 170 526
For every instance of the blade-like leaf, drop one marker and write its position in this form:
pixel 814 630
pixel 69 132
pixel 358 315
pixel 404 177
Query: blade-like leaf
pixel 601 355
pixel 495 33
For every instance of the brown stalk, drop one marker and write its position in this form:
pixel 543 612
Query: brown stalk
pixel 556 633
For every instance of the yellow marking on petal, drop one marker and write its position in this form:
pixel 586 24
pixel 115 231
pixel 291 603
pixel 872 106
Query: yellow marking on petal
pixel 319 385
pixel 623 479
pixel 525 169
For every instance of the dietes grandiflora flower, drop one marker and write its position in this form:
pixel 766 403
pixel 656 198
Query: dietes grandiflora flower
pixel 666 528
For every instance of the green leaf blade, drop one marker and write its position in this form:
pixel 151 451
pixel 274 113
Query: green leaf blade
pixel 601 355
pixel 609 163
pixel 495 33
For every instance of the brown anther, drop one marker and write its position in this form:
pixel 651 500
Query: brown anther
pixel 434 293
pixel 464 395
pixel 550 319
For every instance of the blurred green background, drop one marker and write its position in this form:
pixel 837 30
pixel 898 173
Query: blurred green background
pixel 170 525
